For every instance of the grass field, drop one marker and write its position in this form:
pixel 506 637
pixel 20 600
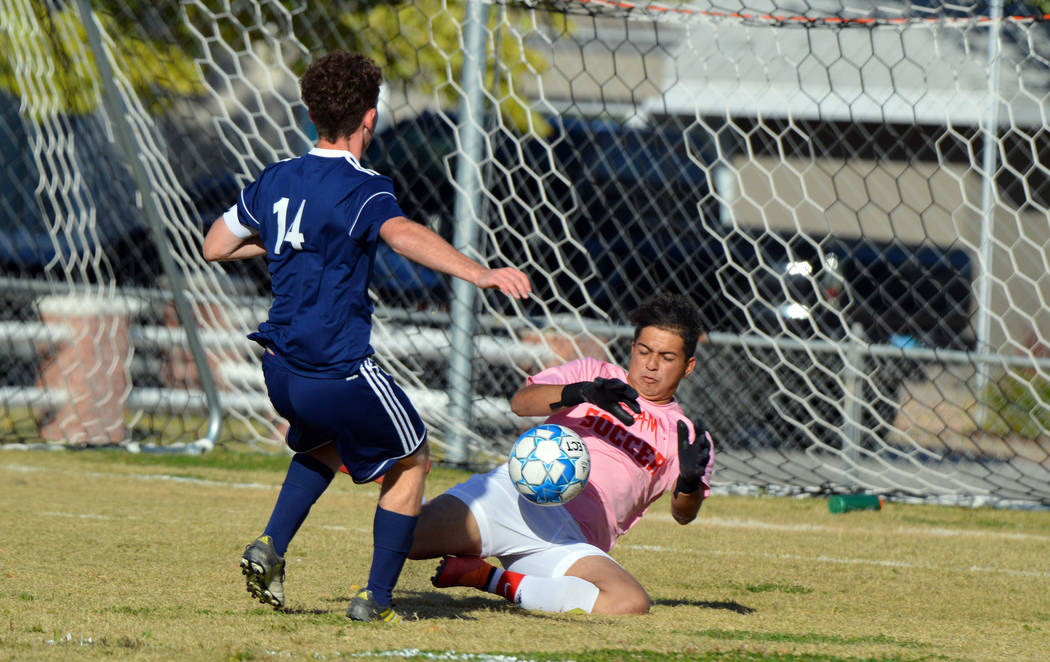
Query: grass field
pixel 107 555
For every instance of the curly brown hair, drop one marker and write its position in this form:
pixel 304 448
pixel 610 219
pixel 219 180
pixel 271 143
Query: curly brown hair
pixel 338 89
pixel 671 312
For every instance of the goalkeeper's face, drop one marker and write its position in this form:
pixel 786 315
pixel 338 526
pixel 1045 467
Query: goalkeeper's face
pixel 658 364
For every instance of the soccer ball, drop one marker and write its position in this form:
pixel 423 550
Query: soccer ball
pixel 549 464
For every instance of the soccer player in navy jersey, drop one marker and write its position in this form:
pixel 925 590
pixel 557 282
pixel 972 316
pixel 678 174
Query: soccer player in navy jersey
pixel 318 219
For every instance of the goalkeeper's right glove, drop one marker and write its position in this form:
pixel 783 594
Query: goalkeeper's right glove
pixel 609 394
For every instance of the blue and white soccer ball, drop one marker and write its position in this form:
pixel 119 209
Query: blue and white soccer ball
pixel 549 464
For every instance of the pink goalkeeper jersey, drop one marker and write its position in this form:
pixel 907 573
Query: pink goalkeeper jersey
pixel 631 467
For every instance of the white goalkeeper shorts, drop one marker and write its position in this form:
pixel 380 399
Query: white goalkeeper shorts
pixel 526 538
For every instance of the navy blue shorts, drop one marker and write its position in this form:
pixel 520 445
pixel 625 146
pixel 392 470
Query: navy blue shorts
pixel 367 415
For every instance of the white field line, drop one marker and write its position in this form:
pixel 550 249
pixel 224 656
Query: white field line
pixel 443 655
pixel 821 558
pixel 439 656
pixel 88 516
pixel 938 532
pixel 22 468
pixel 337 527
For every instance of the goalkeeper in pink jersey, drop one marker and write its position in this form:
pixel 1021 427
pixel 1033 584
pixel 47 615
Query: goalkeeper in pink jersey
pixel 555 558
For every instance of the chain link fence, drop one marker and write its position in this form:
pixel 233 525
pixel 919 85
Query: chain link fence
pixel 854 196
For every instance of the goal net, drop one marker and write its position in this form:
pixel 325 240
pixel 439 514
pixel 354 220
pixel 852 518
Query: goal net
pixel 854 194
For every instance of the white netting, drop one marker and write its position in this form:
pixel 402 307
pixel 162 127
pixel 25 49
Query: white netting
pixel 854 193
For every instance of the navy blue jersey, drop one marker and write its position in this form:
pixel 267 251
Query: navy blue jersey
pixel 319 217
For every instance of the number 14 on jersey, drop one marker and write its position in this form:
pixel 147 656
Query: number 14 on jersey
pixel 293 236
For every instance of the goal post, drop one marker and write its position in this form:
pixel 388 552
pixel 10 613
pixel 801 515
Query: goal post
pixel 855 197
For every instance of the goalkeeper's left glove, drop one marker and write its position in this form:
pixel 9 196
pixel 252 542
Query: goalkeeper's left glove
pixel 692 458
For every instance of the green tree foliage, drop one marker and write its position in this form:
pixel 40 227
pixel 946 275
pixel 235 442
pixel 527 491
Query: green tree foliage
pixel 47 57
pixel 418 44
pixel 1019 403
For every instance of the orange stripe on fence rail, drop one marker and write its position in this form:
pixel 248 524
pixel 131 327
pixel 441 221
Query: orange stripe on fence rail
pixel 775 19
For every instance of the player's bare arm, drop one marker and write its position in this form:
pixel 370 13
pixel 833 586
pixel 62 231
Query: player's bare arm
pixel 612 395
pixel 221 245
pixel 685 507
pixel 426 247
pixel 535 399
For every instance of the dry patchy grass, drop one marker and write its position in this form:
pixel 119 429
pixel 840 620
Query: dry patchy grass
pixel 108 556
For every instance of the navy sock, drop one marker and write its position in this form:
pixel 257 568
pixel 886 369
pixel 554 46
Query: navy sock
pixel 306 481
pixel 392 536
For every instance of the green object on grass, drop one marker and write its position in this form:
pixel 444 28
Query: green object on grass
pixel 847 502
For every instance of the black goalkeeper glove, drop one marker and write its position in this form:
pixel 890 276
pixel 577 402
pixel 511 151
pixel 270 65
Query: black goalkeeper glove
pixel 609 394
pixel 692 458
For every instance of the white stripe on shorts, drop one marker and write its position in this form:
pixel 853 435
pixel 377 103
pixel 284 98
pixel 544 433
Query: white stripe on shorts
pixel 394 409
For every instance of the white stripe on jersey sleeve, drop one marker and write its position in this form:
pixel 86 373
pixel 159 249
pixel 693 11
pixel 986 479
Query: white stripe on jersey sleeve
pixel 364 204
pixel 234 224
pixel 249 212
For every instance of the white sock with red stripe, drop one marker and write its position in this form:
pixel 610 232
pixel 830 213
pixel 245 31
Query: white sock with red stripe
pixel 556 594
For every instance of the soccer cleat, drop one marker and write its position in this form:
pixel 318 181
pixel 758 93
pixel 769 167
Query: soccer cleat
pixel 462 571
pixel 263 572
pixel 365 608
